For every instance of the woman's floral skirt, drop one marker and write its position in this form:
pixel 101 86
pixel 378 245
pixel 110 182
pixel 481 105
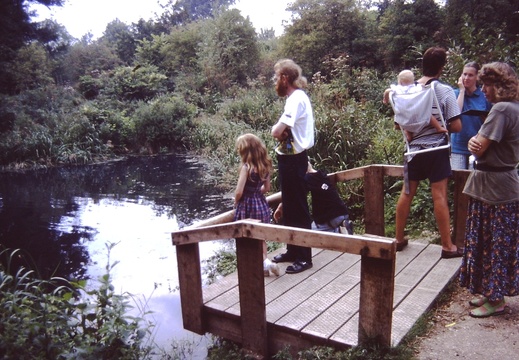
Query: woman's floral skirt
pixel 490 265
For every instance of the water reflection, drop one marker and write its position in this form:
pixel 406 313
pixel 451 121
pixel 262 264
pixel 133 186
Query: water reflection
pixel 64 217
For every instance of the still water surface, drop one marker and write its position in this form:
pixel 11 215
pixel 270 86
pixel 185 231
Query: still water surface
pixel 65 217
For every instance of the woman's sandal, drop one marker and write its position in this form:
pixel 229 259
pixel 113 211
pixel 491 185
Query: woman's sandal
pixel 478 301
pixel 487 310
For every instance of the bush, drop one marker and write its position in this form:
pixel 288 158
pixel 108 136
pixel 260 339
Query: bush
pixel 58 319
pixel 46 127
pixel 27 142
pixel 134 84
pixel 115 127
pixel 214 139
pixel 164 123
pixel 226 350
pixel 258 107
pixel 344 135
pixel 89 86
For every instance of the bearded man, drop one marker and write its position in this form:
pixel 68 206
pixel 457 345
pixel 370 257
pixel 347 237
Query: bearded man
pixel 295 132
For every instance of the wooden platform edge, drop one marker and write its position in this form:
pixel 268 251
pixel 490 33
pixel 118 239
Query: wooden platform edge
pixel 228 326
pixel 397 338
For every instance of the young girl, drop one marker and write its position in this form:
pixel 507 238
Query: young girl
pixel 253 183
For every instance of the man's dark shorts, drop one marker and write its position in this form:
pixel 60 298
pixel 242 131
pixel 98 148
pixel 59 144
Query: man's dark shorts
pixel 432 165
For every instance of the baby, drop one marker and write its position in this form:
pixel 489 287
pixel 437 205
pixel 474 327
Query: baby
pixel 407 85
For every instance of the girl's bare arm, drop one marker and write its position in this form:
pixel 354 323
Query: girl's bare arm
pixel 265 188
pixel 242 179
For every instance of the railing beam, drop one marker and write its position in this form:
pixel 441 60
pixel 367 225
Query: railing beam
pixel 377 281
pixel 374 200
pixel 251 283
pixel 190 287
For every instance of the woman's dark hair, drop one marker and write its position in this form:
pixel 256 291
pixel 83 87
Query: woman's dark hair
pixel 474 65
pixel 434 59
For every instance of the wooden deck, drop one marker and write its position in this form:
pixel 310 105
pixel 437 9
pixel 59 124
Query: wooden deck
pixel 321 305
pixel 359 289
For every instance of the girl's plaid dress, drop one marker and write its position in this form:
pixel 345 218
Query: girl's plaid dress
pixel 253 204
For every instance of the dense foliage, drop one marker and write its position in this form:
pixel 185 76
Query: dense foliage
pixel 65 100
pixel 194 78
pixel 18 31
pixel 69 101
pixel 60 319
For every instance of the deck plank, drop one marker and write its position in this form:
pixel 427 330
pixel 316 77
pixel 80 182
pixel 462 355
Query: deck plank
pixel 220 286
pixel 408 312
pixel 339 283
pixel 423 296
pixel 348 334
pixel 324 301
pixel 404 257
pixel 301 287
pixel 341 311
pixel 414 272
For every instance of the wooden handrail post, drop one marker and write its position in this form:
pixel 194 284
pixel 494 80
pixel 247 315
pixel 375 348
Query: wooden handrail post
pixel 461 207
pixel 251 284
pixel 374 200
pixel 377 281
pixel 190 285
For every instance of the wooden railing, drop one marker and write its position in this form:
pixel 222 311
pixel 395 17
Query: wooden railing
pixel 377 261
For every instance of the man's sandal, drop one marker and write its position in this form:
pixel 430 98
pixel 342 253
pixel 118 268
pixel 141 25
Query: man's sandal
pixel 478 301
pixel 487 310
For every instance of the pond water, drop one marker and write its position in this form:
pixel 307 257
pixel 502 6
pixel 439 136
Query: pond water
pixel 65 218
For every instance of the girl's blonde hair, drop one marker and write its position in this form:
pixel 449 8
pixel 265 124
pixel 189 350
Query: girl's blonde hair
pixel 253 153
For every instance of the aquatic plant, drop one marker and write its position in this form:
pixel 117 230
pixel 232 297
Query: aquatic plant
pixel 61 319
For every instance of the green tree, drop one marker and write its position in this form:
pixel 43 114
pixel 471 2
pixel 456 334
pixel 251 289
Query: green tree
pixel 31 68
pixel 53 36
pixel 229 52
pixel 144 29
pixel 57 41
pixel 404 25
pixel 483 15
pixel 150 52
pixel 119 36
pixel 86 58
pixel 181 12
pixel 474 37
pixel 16 28
pixel 16 31
pixel 324 29
pixel 181 48
pixel 179 54
pixel 133 84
